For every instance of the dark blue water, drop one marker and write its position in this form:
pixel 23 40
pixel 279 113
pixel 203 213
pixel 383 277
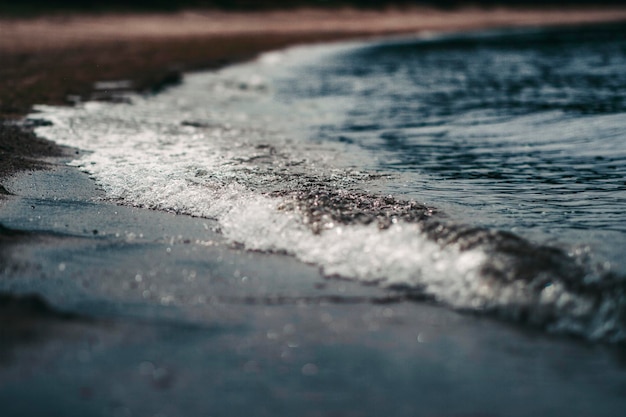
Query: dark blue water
pixel 523 131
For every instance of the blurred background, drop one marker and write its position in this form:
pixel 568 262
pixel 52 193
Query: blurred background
pixel 26 7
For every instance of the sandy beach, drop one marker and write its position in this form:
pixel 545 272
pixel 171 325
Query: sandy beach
pixel 109 310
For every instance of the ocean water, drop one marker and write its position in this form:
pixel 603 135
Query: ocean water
pixel 482 171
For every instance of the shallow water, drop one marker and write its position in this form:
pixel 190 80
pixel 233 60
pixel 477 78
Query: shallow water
pixel 523 131
pixel 156 314
pixel 495 132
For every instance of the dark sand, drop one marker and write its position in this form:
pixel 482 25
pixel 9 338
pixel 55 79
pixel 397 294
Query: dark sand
pixel 116 311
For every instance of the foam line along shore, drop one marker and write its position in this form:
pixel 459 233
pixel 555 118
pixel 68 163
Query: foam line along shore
pixel 222 146
pixel 114 302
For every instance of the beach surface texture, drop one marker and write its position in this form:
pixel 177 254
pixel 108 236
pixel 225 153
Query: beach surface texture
pixel 162 254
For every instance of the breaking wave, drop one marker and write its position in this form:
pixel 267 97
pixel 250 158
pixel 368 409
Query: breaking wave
pixel 221 146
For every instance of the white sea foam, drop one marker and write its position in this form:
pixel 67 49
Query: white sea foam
pixel 219 144
pixel 189 150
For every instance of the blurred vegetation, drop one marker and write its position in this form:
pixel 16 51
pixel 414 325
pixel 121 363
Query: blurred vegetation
pixel 34 7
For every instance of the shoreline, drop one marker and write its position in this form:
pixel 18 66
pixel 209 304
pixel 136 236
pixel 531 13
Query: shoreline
pixel 65 60
pixel 117 311
pixel 156 315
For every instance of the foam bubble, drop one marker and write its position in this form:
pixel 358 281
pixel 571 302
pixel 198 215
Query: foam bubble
pixel 220 147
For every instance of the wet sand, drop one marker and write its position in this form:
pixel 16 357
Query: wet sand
pixel 109 310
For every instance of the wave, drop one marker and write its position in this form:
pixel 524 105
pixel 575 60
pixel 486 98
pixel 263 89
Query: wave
pixel 219 146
